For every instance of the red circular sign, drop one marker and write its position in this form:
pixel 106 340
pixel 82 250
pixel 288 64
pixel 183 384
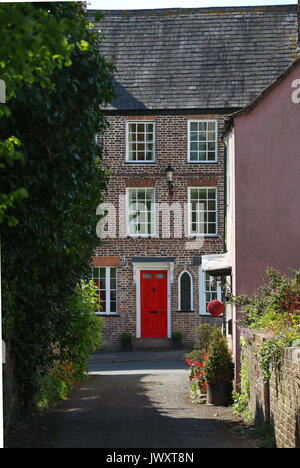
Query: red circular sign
pixel 215 308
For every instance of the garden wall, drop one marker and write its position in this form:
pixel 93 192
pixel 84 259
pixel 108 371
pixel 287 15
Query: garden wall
pixel 278 402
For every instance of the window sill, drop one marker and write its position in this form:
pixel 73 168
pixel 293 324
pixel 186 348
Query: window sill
pixel 142 236
pixel 103 314
pixel 140 162
pixel 199 236
pixel 211 316
pixel 186 311
pixel 203 162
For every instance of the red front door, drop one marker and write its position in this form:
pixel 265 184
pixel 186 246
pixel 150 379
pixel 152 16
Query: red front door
pixel 154 304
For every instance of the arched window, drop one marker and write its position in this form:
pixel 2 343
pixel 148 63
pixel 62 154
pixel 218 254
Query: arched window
pixel 185 292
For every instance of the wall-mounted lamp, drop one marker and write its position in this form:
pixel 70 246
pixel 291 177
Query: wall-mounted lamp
pixel 169 176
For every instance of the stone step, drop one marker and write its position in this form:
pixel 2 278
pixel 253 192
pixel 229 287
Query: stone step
pixel 152 343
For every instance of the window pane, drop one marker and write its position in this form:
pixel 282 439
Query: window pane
pixel 113 272
pixel 113 296
pixel 147 275
pixel 212 229
pixel 103 301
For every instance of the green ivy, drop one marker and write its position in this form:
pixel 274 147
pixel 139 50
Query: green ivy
pixel 241 400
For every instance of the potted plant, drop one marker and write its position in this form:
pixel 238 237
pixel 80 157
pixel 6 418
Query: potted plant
pixel 177 339
pixel 126 341
pixel 218 371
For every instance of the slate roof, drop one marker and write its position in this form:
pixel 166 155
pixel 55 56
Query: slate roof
pixel 252 104
pixel 205 58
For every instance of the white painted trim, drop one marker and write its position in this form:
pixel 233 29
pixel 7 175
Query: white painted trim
pixel 188 143
pixel 127 142
pixel 202 293
pixel 179 290
pixel 137 267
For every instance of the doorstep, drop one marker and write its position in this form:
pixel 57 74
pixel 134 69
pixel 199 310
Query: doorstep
pixel 138 355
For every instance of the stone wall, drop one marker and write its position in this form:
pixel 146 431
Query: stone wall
pixel 276 403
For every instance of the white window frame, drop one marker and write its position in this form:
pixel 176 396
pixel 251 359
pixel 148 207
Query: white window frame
pixel 153 223
pixel 192 234
pixel 108 290
pixel 179 290
pixel 202 293
pixel 189 142
pixel 144 122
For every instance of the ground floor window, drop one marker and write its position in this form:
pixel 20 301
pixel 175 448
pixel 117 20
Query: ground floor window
pixel 105 279
pixel 208 291
pixel 185 292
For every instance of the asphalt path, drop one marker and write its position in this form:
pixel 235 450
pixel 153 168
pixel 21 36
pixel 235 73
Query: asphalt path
pixel 134 401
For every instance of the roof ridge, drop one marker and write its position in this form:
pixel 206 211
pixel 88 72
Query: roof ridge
pixel 255 8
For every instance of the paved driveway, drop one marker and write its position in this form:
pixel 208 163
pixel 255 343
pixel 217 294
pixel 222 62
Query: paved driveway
pixel 137 401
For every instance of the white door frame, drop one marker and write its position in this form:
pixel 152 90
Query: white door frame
pixel 148 266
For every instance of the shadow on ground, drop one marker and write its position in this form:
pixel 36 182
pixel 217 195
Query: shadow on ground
pixel 131 411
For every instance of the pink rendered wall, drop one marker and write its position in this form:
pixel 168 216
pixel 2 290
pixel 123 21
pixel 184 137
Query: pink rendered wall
pixel 267 187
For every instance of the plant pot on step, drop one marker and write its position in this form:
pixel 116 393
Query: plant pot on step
pixel 126 342
pixel 218 371
pixel 176 340
pixel 219 394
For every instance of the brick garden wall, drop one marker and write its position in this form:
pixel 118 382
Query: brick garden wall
pixel 171 143
pixel 279 402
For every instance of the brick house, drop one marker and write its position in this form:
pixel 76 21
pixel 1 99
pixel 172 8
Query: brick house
pixel 179 74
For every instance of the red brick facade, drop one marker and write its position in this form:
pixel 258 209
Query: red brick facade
pixel 171 144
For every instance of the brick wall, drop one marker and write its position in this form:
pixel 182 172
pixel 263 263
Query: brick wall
pixel 279 402
pixel 171 143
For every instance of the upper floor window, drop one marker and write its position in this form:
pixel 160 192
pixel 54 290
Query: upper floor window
pixel 140 212
pixel 203 211
pixel 140 142
pixel 202 141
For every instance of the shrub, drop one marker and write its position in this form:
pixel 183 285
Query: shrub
pixel 202 343
pixel 126 338
pixel 50 389
pixel 177 336
pixel 276 304
pixel 218 366
pixel 85 326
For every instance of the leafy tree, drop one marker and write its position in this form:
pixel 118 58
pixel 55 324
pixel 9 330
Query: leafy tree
pixel 32 45
pixel 54 118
